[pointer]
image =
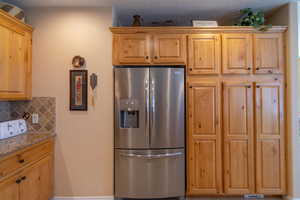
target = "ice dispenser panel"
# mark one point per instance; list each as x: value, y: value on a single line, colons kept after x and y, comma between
x: 129, y: 114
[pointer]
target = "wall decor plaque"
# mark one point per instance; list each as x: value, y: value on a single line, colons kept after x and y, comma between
x: 78, y: 90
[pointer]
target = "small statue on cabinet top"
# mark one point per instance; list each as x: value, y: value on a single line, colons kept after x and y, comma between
x: 137, y: 20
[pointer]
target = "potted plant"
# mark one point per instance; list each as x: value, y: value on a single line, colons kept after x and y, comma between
x: 253, y: 18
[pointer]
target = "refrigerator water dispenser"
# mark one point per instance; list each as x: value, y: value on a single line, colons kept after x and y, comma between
x: 129, y: 113
x: 129, y: 119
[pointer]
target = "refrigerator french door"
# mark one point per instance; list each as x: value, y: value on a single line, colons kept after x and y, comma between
x: 149, y: 132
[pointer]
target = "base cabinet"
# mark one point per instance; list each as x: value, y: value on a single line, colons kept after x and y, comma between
x: 34, y: 181
x: 9, y: 189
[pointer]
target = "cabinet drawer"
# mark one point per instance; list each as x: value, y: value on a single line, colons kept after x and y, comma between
x: 26, y: 157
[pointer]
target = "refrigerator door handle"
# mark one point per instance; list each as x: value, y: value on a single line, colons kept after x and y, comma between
x: 147, y: 108
x: 152, y: 105
x: 150, y: 156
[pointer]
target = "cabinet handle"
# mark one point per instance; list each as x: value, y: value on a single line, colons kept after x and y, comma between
x: 23, y: 178
x: 248, y: 86
x: 21, y: 161
x: 18, y: 181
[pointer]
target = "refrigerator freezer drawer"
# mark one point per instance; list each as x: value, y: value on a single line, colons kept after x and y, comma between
x: 149, y: 173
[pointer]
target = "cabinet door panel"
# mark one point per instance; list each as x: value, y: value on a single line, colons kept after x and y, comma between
x: 268, y: 53
x: 238, y: 138
x: 169, y: 48
x: 270, y: 163
x: 30, y: 186
x: 17, y: 72
x: 9, y: 189
x: 5, y: 35
x: 133, y: 49
x: 204, y: 143
x: 46, y: 178
x: 237, y: 53
x: 204, y: 54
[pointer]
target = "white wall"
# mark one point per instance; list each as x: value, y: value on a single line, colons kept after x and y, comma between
x: 84, y: 143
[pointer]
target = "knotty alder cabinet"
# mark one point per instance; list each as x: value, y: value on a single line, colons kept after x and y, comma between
x: 145, y: 49
x: 235, y: 101
x: 248, y: 155
x: 15, y: 59
x: 236, y: 53
x: 28, y: 174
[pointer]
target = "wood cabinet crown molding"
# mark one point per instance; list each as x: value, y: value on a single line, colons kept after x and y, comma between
x: 191, y: 30
x: 16, y: 21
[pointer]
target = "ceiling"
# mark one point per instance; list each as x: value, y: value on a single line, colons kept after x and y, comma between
x: 157, y: 9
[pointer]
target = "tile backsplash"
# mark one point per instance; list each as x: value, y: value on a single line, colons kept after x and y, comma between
x: 43, y: 106
x: 4, y: 111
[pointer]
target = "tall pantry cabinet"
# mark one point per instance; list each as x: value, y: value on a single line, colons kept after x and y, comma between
x: 236, y: 129
x: 235, y: 118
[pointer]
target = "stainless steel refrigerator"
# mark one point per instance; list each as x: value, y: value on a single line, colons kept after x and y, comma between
x: 149, y: 132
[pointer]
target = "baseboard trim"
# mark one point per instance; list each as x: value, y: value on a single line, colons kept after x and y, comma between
x: 84, y: 198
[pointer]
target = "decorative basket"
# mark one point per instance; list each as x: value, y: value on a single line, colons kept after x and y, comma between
x: 13, y: 10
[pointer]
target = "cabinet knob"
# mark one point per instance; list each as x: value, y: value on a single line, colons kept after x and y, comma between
x: 23, y: 178
x: 21, y: 161
x: 270, y: 71
x: 155, y: 57
x: 257, y: 68
x: 147, y: 57
x: 18, y: 181
x: 249, y: 68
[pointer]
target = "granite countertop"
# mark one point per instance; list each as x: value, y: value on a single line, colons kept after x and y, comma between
x: 13, y: 144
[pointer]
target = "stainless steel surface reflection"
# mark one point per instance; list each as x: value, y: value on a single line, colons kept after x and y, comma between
x: 149, y: 132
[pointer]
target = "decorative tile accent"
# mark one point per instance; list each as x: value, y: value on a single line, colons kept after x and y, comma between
x: 5, y: 113
x: 43, y: 106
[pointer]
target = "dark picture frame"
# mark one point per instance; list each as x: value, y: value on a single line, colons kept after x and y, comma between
x: 78, y: 90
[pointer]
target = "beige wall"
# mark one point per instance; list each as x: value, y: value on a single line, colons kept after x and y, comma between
x: 84, y: 143
x: 288, y: 15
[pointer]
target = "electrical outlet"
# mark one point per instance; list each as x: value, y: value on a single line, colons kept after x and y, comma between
x: 35, y: 118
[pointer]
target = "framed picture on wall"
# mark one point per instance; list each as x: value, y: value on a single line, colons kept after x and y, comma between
x: 78, y: 90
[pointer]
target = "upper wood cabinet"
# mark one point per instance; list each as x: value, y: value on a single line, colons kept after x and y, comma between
x: 169, y: 48
x: 204, y: 54
x: 237, y: 53
x: 146, y: 49
x: 133, y: 48
x: 15, y: 59
x: 268, y: 53
x: 270, y: 152
x: 238, y: 129
x: 204, y: 139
